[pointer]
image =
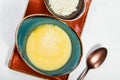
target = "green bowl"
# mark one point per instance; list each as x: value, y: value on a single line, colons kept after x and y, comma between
x: 29, y: 23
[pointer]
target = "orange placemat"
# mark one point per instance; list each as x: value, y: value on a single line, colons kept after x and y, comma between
x: 38, y: 7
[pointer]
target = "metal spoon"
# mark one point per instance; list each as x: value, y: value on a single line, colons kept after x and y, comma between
x: 94, y: 60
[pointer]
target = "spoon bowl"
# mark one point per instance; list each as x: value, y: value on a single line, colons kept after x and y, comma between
x: 94, y: 60
x: 74, y: 15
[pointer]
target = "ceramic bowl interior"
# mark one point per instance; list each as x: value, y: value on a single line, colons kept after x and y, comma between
x: 72, y: 16
x: 29, y: 24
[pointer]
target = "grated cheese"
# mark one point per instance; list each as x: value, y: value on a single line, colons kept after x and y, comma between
x: 63, y: 7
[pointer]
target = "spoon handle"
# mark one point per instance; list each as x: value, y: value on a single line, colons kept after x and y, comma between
x: 83, y: 74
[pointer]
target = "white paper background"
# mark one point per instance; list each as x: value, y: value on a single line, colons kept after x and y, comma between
x: 102, y: 27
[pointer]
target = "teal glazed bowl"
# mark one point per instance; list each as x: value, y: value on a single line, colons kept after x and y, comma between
x: 29, y: 23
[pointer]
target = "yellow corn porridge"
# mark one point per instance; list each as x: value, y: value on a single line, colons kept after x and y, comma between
x: 48, y: 47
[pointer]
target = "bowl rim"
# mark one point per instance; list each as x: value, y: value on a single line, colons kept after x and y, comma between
x: 80, y: 15
x: 20, y: 53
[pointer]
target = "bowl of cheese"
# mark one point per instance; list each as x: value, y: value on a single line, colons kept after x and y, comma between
x: 66, y: 9
x: 47, y: 45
